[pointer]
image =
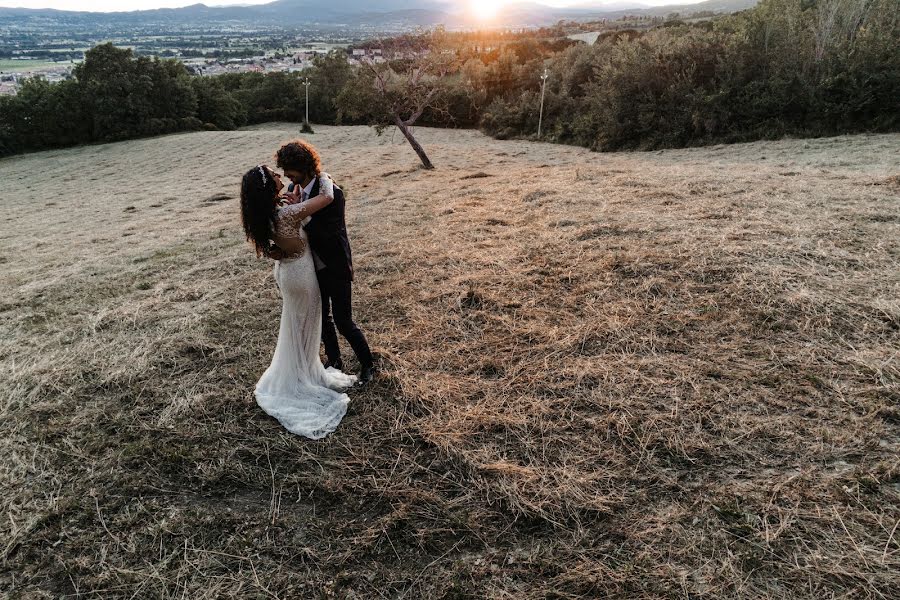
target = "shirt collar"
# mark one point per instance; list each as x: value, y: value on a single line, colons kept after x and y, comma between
x: 308, y: 189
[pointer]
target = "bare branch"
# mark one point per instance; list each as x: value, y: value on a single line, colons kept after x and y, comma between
x: 421, y: 108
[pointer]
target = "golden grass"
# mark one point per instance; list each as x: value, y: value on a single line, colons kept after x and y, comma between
x: 643, y: 375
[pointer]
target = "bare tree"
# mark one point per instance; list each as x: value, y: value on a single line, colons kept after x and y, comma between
x: 397, y: 87
x: 838, y: 21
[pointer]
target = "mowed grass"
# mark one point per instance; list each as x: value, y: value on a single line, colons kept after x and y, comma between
x: 16, y: 66
x: 641, y: 375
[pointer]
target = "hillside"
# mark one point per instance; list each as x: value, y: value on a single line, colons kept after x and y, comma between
x: 637, y: 375
x: 426, y: 13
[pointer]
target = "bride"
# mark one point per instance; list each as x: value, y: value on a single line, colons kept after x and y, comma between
x: 296, y: 389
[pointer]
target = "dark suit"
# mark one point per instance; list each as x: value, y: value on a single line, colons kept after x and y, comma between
x: 327, y: 233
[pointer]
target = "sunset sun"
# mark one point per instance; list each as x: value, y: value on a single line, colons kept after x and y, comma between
x: 485, y: 10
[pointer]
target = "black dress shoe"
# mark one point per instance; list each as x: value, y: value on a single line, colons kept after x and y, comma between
x: 338, y: 364
x: 366, y: 374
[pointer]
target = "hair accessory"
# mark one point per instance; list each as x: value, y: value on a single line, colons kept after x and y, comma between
x: 263, y: 173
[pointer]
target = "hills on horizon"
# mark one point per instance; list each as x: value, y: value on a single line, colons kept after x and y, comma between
x: 343, y: 12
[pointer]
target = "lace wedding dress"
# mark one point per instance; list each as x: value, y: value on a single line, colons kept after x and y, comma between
x: 296, y: 389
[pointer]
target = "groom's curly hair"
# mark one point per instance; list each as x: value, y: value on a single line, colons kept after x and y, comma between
x: 299, y: 156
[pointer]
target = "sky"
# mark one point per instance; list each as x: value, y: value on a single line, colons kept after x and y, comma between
x: 123, y: 5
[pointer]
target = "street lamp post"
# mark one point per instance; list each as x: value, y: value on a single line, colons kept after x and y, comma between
x: 544, y: 78
x: 306, y: 83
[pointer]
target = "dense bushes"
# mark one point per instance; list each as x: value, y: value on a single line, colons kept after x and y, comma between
x: 797, y: 67
x: 786, y: 67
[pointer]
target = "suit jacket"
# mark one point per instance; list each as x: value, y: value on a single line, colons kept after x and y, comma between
x: 327, y: 233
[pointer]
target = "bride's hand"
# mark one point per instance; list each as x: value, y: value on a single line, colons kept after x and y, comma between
x: 276, y: 253
x: 291, y: 197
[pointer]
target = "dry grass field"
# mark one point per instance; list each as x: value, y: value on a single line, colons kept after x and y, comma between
x: 643, y: 375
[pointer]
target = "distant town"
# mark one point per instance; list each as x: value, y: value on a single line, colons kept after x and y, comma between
x: 202, y: 56
x: 50, y: 44
x: 203, y: 52
x: 292, y: 60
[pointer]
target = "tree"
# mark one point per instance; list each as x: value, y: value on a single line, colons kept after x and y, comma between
x: 215, y: 105
x: 398, y: 91
x: 329, y: 75
x: 118, y: 98
x: 129, y: 96
x: 172, y: 94
x: 11, y: 118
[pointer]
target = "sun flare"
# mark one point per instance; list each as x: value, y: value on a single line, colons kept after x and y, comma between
x: 485, y: 10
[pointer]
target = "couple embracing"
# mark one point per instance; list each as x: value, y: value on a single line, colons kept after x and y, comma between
x: 305, y: 231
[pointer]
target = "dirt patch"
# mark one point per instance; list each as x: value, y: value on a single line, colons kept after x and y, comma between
x: 479, y: 175
x: 217, y: 198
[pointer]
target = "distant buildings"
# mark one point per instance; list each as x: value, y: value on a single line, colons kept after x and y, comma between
x: 291, y: 62
x: 211, y: 67
x: 272, y: 62
x: 287, y: 60
x: 11, y: 80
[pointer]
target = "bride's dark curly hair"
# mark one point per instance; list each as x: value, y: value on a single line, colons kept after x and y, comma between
x: 258, y: 207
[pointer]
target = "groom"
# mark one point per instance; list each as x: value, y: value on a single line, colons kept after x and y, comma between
x: 327, y: 233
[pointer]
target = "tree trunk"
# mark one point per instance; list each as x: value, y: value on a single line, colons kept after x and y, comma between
x: 404, y: 129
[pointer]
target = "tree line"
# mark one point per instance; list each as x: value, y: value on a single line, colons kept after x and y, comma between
x: 785, y: 67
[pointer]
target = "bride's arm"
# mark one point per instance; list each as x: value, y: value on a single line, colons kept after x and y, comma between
x: 295, y: 213
x: 326, y: 189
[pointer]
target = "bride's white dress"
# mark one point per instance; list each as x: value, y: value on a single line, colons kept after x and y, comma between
x: 296, y: 389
